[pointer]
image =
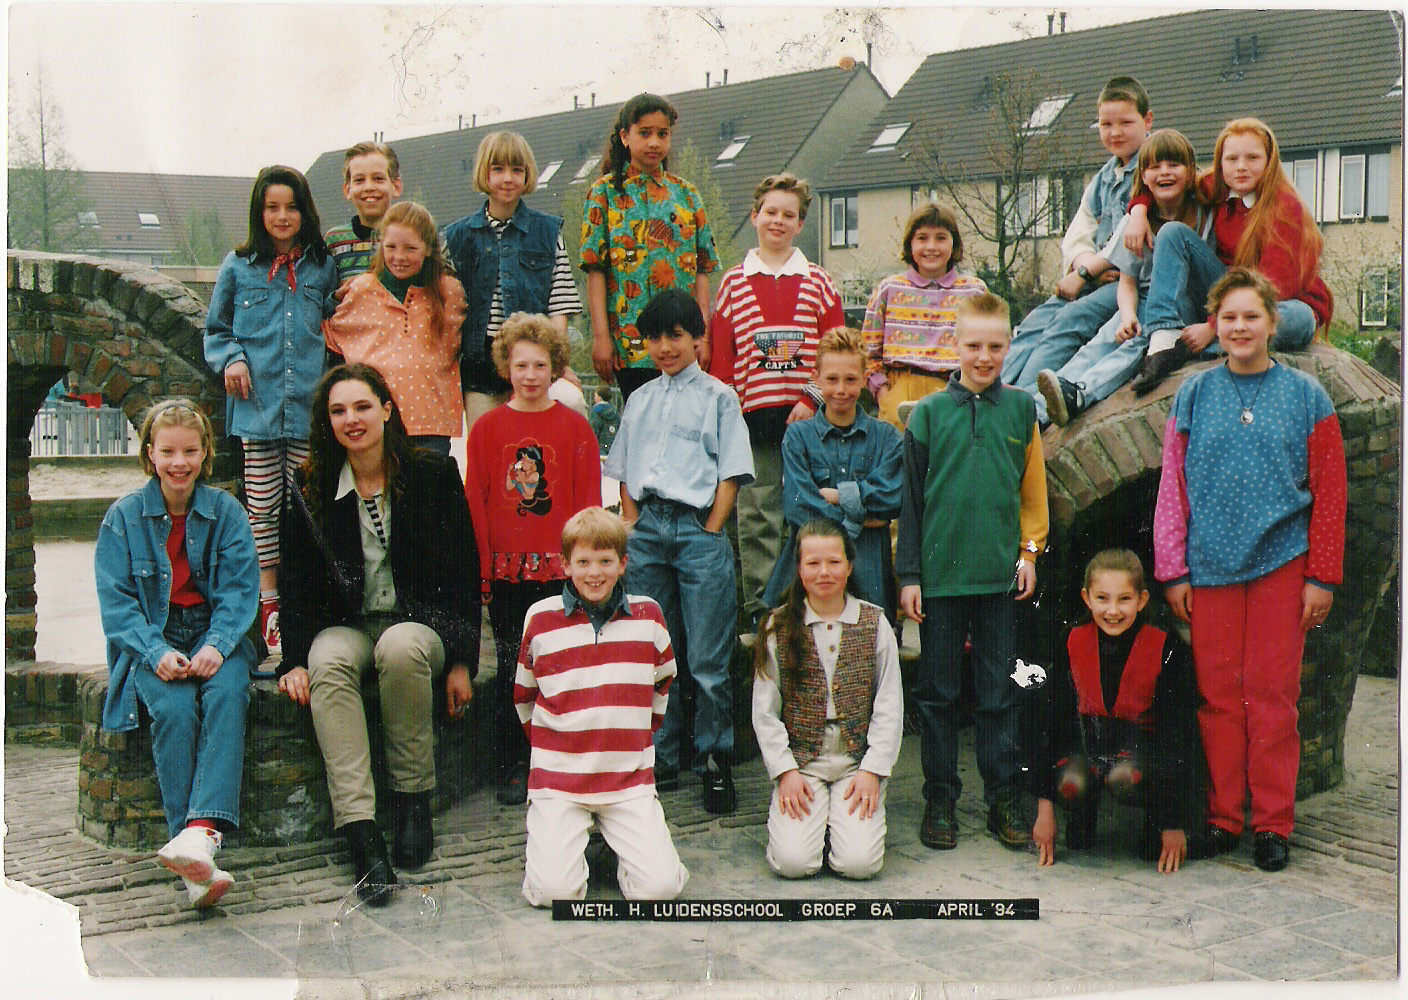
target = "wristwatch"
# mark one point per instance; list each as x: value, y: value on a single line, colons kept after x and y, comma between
x: 1084, y: 272
x: 1031, y: 546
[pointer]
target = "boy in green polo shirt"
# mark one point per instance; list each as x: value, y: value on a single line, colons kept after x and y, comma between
x: 974, y: 505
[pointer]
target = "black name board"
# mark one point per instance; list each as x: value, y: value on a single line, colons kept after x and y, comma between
x: 798, y: 909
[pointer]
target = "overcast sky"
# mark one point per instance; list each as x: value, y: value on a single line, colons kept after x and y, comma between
x: 227, y: 88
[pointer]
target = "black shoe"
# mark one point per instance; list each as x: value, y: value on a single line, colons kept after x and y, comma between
x: 1157, y: 367
x: 1064, y: 400
x: 667, y: 779
x: 414, y: 836
x: 375, y: 878
x: 1151, y: 841
x: 939, y: 828
x: 1214, y: 840
x: 1080, y: 828
x: 719, y: 794
x: 1270, y: 851
x: 513, y: 791
x: 1005, y: 822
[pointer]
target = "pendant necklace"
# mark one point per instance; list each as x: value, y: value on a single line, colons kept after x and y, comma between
x: 1247, y: 417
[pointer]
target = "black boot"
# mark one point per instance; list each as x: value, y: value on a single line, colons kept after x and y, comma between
x: 414, y: 837
x: 1157, y: 367
x: 375, y: 878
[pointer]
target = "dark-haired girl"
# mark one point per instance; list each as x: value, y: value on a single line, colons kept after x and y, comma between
x: 263, y: 335
x: 643, y: 230
x: 380, y: 576
x: 532, y: 463
x: 828, y: 713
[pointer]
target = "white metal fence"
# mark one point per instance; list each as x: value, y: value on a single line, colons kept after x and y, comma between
x: 73, y: 429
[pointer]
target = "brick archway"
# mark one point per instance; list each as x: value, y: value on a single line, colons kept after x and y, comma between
x: 128, y: 332
x: 1102, y: 479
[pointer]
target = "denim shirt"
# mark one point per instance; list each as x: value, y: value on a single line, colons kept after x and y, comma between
x: 1107, y: 196
x: 520, y: 263
x: 134, y: 584
x: 862, y: 462
x: 278, y: 332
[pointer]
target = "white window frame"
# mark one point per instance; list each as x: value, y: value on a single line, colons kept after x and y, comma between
x: 849, y: 205
x: 586, y: 168
x: 730, y: 152
x: 1309, y: 194
x: 546, y: 174
x: 1374, y: 290
x: 1351, y: 201
x: 1045, y: 113
x: 889, y: 137
x: 88, y: 220
x: 1043, y: 194
x: 148, y: 220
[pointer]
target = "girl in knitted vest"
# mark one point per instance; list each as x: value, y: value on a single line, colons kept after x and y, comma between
x: 828, y: 714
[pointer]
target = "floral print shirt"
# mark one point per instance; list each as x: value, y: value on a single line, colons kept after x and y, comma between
x: 651, y: 236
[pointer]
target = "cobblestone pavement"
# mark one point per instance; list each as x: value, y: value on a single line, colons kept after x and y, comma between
x: 1106, y: 918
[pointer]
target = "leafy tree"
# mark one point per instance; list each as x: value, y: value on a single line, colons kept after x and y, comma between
x: 46, y: 191
x: 206, y: 239
x: 1021, y: 188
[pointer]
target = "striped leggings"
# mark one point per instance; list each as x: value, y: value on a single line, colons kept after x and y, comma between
x: 268, y: 465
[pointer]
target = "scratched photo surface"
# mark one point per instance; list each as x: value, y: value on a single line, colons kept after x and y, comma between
x: 135, y: 134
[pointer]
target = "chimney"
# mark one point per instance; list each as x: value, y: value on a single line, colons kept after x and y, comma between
x: 706, y: 79
x: 725, y: 76
x: 1063, y: 22
x: 461, y: 124
x: 473, y: 120
x: 574, y: 102
x: 593, y: 98
x: 1051, y: 23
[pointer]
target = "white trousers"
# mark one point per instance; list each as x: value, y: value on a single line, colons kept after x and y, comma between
x: 857, y: 845
x: 556, y: 865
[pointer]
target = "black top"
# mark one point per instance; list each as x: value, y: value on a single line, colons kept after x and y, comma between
x: 434, y: 564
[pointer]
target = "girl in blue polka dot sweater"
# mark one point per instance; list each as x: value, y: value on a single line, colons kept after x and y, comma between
x: 1249, y: 541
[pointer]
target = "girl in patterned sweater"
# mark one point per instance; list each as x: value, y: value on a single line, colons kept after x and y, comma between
x: 828, y: 713
x: 1249, y: 542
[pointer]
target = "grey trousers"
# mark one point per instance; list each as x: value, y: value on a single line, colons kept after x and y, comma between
x: 761, y: 527
x: 407, y: 656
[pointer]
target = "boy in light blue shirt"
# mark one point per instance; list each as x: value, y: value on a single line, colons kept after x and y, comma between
x: 681, y: 454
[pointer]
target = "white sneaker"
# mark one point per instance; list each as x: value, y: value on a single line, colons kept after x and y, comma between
x: 203, y: 894
x: 191, y: 853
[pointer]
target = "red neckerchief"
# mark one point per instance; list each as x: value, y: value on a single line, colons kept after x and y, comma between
x: 287, y: 258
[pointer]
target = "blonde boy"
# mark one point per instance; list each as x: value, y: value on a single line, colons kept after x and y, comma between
x: 593, y: 680
x: 973, y: 506
x: 371, y: 181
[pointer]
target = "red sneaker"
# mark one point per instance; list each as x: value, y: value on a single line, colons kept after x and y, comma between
x: 269, y: 627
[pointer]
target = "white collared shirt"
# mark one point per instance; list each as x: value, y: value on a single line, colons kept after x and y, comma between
x: 753, y: 263
x: 378, y: 587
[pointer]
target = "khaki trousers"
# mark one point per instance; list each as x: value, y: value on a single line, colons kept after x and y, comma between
x: 761, y: 526
x: 906, y: 384
x: 857, y: 845
x: 406, y: 656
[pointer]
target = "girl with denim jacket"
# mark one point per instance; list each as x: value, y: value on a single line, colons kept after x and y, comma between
x: 263, y: 335
x: 510, y: 259
x: 178, y: 585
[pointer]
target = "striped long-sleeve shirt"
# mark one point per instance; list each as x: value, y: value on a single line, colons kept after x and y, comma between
x: 589, y: 700
x: 765, y: 327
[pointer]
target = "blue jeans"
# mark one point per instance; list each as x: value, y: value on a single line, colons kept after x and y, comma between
x: 197, y: 728
x: 1053, y: 332
x: 1101, y: 366
x: 987, y: 619
x: 689, y: 573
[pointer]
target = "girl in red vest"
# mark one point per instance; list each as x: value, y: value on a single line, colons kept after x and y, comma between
x: 1119, y: 713
x: 828, y: 714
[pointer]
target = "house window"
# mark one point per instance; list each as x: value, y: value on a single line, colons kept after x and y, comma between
x: 1364, y: 181
x: 889, y: 137
x: 548, y: 171
x: 1380, y: 293
x: 731, y: 151
x: 1305, y: 175
x: 148, y: 220
x: 845, y: 220
x: 1352, y: 187
x: 1045, y: 113
x: 588, y: 165
x: 88, y: 220
x: 1041, y: 206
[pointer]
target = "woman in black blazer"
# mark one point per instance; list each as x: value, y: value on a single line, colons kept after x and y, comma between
x: 379, y: 573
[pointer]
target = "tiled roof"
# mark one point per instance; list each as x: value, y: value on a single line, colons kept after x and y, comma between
x: 117, y: 198
x: 1319, y: 78
x: 779, y: 113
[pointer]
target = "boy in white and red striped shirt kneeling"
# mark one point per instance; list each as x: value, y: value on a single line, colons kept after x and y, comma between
x: 593, y: 680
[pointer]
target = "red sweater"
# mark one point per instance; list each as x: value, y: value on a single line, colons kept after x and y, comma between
x: 527, y: 474
x: 764, y: 331
x: 1285, y: 258
x: 590, y: 701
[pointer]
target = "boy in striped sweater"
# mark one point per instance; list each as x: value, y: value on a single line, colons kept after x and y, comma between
x: 770, y: 312
x: 594, y: 675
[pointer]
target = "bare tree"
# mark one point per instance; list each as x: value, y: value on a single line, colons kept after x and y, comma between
x: 1016, y: 187
x: 46, y: 196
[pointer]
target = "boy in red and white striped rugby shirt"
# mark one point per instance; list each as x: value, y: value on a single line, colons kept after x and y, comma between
x: 594, y: 675
x: 770, y: 312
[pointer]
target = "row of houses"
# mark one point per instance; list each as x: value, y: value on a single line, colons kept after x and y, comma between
x: 1005, y: 131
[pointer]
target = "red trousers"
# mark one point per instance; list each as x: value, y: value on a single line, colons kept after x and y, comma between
x: 1247, y: 645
